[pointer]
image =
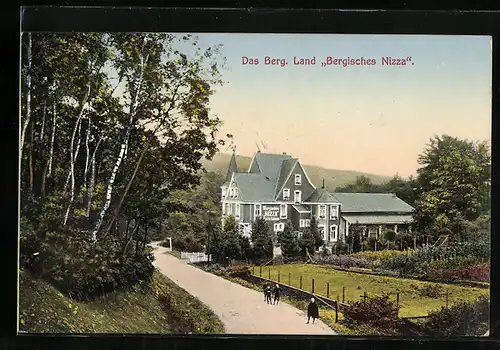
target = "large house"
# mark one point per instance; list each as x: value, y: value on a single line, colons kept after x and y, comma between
x: 277, y: 188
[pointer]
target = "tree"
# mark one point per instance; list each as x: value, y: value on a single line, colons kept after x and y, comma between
x: 261, y: 240
x: 245, y: 247
x: 307, y: 242
x: 354, y: 238
x: 314, y: 230
x: 289, y: 241
x: 454, y: 182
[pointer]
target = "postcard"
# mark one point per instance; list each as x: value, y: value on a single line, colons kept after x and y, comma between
x: 223, y: 183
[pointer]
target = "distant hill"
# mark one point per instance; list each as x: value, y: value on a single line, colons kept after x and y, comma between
x: 333, y: 178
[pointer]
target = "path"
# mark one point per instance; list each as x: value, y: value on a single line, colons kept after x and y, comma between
x: 241, y: 310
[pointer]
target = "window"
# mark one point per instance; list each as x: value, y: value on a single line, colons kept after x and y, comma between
x: 333, y: 233
x: 298, y: 179
x: 223, y: 208
x: 257, y: 209
x: 297, y: 197
x: 229, y: 209
x: 286, y: 194
x: 308, y: 222
x: 302, y: 223
x: 322, y: 231
x: 322, y: 211
x: 235, y: 193
x: 238, y: 208
x: 231, y: 192
x: 334, y: 212
x: 283, y: 213
x: 279, y: 227
x: 372, y: 230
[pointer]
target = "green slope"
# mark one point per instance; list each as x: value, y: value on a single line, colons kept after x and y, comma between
x: 160, y: 308
x: 333, y: 178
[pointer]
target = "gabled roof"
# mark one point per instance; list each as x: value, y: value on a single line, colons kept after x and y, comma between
x: 286, y: 168
x: 270, y: 164
x: 321, y: 195
x: 372, y: 202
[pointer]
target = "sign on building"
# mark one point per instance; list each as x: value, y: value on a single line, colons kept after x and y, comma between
x: 271, y: 212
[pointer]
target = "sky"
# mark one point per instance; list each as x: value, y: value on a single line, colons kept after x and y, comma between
x: 370, y: 118
x: 374, y: 119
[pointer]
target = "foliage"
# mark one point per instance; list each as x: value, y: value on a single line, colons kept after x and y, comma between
x: 314, y: 230
x: 110, y: 314
x: 390, y: 235
x: 377, y: 311
x: 380, y: 254
x: 432, y: 291
x: 479, y: 272
x: 289, y: 242
x: 340, y: 247
x: 454, y: 182
x: 354, y: 237
x: 344, y: 261
x: 307, y: 242
x: 465, y: 318
x: 261, y: 240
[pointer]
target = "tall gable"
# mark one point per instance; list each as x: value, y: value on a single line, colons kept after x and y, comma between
x: 286, y: 168
x: 233, y: 168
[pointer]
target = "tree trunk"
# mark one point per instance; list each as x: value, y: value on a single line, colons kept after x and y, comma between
x: 124, y: 145
x: 73, y: 156
x: 52, y: 140
x: 145, y: 236
x: 90, y: 189
x: 87, y: 152
x: 31, y: 157
x: 28, y: 98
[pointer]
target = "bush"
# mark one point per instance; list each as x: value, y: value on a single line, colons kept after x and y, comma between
x: 380, y: 254
x: 82, y: 270
x: 344, y: 261
x: 339, y: 248
x: 480, y: 273
x: 377, y: 311
x: 466, y: 318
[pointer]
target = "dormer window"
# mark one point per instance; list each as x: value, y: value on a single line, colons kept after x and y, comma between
x: 286, y: 194
x: 334, y: 212
x: 235, y: 193
x: 257, y: 210
x: 298, y: 179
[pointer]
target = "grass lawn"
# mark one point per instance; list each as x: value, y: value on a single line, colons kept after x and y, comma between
x: 411, y: 300
x: 161, y: 307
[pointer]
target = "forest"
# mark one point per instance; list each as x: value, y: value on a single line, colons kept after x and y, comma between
x: 111, y: 125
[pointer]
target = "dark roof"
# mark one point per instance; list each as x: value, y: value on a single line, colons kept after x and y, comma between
x: 378, y: 219
x: 286, y: 168
x: 301, y: 208
x: 232, y: 168
x: 321, y: 195
x: 372, y: 202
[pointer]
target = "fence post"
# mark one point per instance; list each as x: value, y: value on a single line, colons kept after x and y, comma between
x: 328, y: 290
x: 269, y: 273
x: 343, y: 294
x: 365, y: 296
x: 300, y: 282
x: 289, y: 283
x: 337, y: 310
x: 253, y: 270
x: 312, y: 286
x: 279, y: 276
x: 447, y: 298
x: 397, y: 299
x: 261, y: 271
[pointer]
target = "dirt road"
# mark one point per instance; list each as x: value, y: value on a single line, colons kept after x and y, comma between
x: 241, y: 310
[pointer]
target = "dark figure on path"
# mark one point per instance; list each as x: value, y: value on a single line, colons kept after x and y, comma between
x: 264, y: 290
x: 269, y: 294
x: 276, y: 292
x: 312, y: 311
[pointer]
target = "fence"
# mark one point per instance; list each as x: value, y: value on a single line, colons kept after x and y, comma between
x: 194, y: 257
x: 309, y: 287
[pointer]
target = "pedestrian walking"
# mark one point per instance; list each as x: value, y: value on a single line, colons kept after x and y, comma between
x: 277, y: 293
x: 312, y: 310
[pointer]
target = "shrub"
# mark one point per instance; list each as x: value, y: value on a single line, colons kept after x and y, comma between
x: 376, y: 311
x: 380, y: 254
x: 466, y: 318
x: 480, y: 273
x: 344, y: 261
x: 82, y: 270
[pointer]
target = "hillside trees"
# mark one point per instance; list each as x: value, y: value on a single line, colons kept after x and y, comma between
x: 113, y: 125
